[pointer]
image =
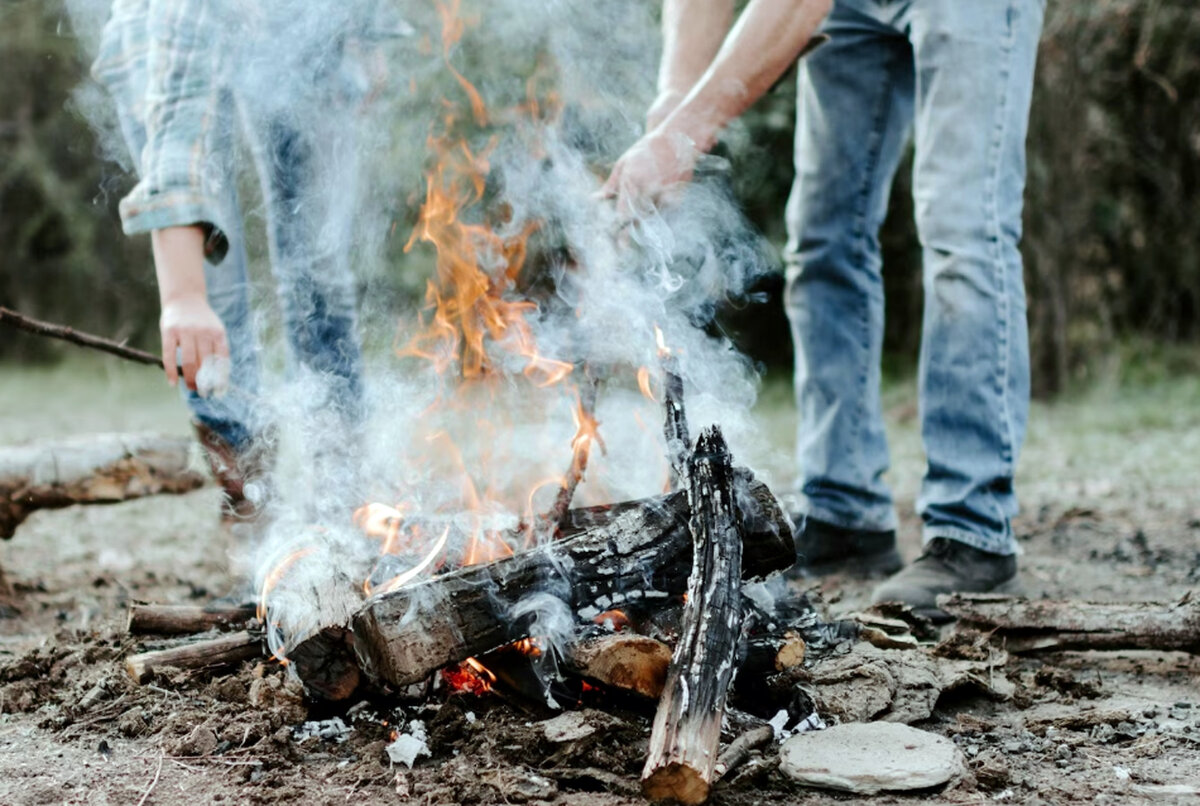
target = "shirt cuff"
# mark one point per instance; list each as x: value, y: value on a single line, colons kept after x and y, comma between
x: 180, y: 208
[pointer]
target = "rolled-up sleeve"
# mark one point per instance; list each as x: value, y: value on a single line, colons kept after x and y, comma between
x: 181, y: 179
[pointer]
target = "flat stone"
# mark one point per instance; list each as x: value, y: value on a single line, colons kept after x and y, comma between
x: 870, y: 757
x: 569, y: 727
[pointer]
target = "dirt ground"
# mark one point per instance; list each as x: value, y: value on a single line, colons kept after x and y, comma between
x: 1111, y: 512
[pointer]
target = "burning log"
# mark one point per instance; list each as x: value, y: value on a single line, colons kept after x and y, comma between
x: 224, y: 651
x: 625, y: 661
x: 1031, y: 626
x: 101, y: 469
x: 636, y: 552
x: 681, y: 765
x: 186, y: 619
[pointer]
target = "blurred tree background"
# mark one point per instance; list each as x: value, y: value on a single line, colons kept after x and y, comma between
x: 1112, y: 244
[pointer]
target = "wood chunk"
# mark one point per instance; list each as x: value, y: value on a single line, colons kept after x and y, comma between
x: 224, y: 651
x: 630, y: 553
x: 1028, y: 626
x: 99, y: 469
x: 633, y: 663
x: 186, y: 619
x: 686, y: 735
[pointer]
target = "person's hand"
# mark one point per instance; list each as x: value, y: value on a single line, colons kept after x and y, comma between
x: 652, y: 167
x: 193, y: 332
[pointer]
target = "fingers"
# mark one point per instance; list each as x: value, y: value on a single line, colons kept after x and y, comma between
x: 189, y: 360
x: 170, y: 344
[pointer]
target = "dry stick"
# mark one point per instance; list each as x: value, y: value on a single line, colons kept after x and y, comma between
x: 675, y: 425
x: 555, y: 518
x: 686, y: 735
x: 153, y: 783
x: 224, y: 651
x: 40, y: 328
x: 185, y: 619
x: 740, y: 749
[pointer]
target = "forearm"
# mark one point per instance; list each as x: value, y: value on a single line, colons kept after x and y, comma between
x: 693, y: 31
x: 179, y: 264
x: 766, y: 40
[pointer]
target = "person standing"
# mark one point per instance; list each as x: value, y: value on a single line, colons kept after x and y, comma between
x: 184, y: 75
x: 958, y: 78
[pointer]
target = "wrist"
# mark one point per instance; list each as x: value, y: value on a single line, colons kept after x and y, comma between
x: 700, y: 129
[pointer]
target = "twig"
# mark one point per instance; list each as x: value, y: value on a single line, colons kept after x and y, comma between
x: 740, y: 748
x: 157, y: 772
x: 53, y: 331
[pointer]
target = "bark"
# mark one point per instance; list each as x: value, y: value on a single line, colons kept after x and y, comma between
x: 186, y: 619
x: 634, y: 553
x: 40, y: 328
x: 215, y: 653
x: 101, y: 469
x: 685, y: 738
x: 1029, y: 625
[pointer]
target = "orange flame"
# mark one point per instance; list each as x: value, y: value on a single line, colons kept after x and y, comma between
x: 643, y: 381
x: 276, y: 574
x: 615, y: 620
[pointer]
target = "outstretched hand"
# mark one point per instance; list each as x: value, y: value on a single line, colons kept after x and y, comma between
x: 650, y: 170
x: 191, y: 334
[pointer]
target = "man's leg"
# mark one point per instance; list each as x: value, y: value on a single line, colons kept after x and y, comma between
x: 975, y: 65
x: 853, y: 116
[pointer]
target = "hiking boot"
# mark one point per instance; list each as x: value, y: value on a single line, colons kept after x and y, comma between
x: 234, y: 471
x: 949, y: 566
x: 823, y: 549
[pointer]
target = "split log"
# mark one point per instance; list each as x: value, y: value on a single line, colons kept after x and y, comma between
x: 224, y: 651
x: 102, y: 469
x: 686, y: 735
x: 625, y: 661
x: 635, y: 552
x: 1029, y: 626
x: 675, y: 425
x: 768, y: 654
x: 186, y: 619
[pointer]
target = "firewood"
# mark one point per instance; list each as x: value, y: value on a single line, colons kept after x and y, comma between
x: 186, y: 619
x: 101, y: 469
x: 675, y: 425
x: 740, y: 749
x: 625, y: 661
x: 1031, y: 625
x: 686, y: 735
x: 768, y: 654
x: 635, y: 552
x: 217, y: 652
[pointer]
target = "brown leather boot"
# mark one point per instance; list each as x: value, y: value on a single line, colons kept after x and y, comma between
x: 234, y: 470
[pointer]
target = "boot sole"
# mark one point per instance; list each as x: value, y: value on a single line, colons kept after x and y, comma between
x: 1010, y: 587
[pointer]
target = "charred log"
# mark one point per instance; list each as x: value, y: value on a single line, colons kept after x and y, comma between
x: 101, y: 469
x: 681, y: 764
x: 633, y: 663
x: 636, y: 552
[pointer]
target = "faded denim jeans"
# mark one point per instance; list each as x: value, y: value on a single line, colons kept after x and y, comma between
x: 957, y: 75
x: 308, y: 239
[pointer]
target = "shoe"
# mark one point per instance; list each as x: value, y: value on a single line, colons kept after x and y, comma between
x: 823, y: 549
x: 234, y: 472
x: 948, y: 566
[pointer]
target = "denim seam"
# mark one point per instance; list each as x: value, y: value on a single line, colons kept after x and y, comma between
x: 992, y: 545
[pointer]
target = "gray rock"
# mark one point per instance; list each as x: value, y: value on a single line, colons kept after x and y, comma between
x: 871, y: 757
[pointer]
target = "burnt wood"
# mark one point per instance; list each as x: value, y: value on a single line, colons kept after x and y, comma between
x: 186, y: 619
x: 215, y: 653
x: 685, y: 738
x: 635, y: 553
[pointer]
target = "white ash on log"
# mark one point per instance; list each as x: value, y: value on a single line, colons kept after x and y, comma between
x: 636, y: 552
x: 685, y: 738
x: 100, y: 469
x: 1026, y: 625
x: 156, y: 619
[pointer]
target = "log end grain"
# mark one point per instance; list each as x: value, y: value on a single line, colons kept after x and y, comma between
x: 676, y: 782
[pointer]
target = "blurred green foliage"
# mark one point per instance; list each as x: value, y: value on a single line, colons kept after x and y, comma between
x: 1112, y: 247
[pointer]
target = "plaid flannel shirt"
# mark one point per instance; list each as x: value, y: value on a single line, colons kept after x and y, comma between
x: 160, y: 61
x: 167, y: 64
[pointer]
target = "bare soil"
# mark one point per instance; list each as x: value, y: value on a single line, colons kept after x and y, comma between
x: 1112, y: 512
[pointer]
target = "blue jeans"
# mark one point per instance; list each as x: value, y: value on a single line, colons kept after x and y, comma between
x: 308, y: 238
x: 958, y: 74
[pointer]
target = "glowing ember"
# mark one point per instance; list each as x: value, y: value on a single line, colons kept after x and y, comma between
x: 470, y: 676
x: 615, y: 620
